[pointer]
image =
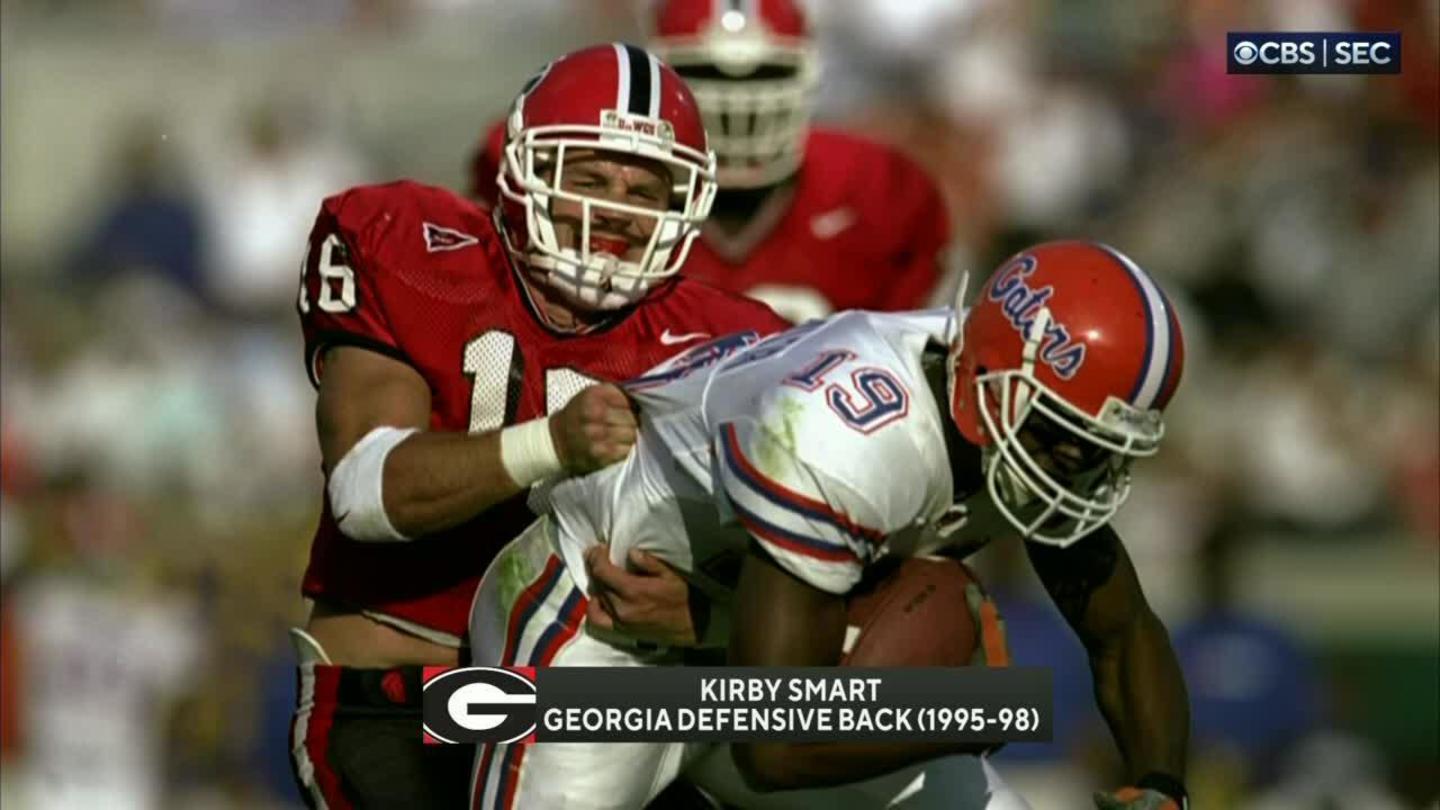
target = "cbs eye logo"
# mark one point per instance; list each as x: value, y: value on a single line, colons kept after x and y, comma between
x: 479, y: 705
x: 1246, y: 53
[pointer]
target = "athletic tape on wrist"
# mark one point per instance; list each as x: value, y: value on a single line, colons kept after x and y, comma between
x: 527, y: 452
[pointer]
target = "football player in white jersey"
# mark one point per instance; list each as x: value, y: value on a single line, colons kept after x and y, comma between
x: 770, y: 475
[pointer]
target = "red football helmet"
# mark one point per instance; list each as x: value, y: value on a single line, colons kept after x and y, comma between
x: 1060, y: 373
x: 609, y: 97
x: 753, y: 69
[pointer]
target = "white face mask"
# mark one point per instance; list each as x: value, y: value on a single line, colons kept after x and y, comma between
x: 1035, y: 492
x: 1045, y: 504
x: 589, y: 278
x: 757, y: 127
x: 1012, y: 490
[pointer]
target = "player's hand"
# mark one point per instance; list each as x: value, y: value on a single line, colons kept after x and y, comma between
x: 1134, y: 798
x: 650, y: 602
x: 991, y: 648
x: 596, y: 428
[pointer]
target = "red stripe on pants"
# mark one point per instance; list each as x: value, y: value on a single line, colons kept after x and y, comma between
x: 317, y: 736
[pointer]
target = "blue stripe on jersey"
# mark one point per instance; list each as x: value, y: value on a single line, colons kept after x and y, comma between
x: 792, y: 541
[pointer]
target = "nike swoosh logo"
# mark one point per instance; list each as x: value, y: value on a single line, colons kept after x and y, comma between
x: 668, y: 339
x: 831, y: 223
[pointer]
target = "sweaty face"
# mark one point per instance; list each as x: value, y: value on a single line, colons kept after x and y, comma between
x: 610, y: 177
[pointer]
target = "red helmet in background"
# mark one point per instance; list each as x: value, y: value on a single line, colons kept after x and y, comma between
x: 612, y: 97
x: 753, y: 68
x: 485, y: 164
x: 1070, y: 345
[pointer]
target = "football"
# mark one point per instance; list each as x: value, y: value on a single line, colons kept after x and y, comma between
x: 912, y: 615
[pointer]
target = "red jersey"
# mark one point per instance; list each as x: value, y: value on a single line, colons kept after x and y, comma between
x: 861, y: 227
x: 421, y: 275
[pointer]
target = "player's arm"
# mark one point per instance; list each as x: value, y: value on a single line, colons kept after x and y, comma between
x: 388, y: 477
x: 782, y: 621
x: 812, y: 534
x: 1138, y: 684
x: 433, y: 480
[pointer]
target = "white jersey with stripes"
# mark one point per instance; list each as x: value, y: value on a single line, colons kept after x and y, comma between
x: 823, y: 443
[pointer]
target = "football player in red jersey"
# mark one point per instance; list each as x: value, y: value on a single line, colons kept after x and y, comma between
x: 456, y: 354
x: 809, y: 220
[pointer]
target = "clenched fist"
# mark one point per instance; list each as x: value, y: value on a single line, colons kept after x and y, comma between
x: 596, y: 428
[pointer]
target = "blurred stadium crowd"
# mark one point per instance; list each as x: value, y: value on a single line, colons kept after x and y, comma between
x: 162, y: 163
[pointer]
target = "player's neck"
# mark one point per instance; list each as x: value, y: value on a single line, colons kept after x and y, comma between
x: 551, y: 309
x: 962, y: 455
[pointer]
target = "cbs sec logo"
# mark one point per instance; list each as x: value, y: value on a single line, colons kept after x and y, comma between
x: 1312, y: 52
x: 479, y: 704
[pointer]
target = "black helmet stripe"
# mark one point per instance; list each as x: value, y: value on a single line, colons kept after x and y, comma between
x: 641, y: 81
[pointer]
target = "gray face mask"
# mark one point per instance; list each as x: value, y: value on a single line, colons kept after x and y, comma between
x: 755, y: 94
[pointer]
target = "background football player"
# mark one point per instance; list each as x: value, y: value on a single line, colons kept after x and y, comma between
x: 808, y: 219
x: 773, y: 475
x: 455, y: 355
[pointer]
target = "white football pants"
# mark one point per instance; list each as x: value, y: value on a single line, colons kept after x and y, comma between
x: 528, y: 612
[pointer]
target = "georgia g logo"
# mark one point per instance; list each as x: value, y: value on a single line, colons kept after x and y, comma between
x: 479, y: 705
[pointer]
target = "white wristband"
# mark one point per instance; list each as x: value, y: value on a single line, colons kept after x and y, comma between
x: 528, y: 453
x: 356, y: 487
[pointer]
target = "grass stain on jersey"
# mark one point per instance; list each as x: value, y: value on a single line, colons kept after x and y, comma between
x: 515, y: 575
x: 776, y: 451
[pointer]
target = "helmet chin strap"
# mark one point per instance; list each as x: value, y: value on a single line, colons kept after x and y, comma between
x: 957, y: 337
